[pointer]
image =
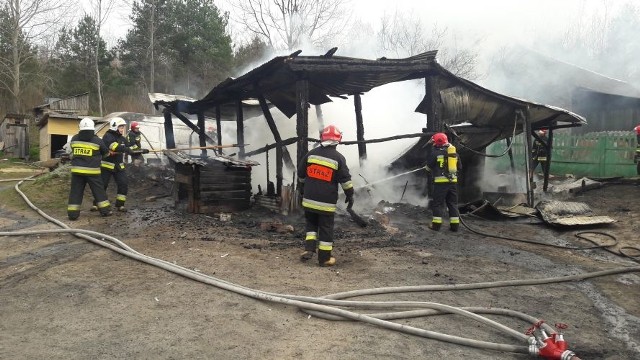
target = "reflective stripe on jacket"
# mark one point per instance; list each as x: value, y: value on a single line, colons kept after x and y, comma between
x: 117, y: 145
x: 437, y: 161
x: 86, y: 155
x: 321, y: 170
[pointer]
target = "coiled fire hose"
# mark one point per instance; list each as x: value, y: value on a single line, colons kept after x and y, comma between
x: 326, y: 307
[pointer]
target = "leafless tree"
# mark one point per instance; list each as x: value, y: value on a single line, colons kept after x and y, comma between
x: 101, y: 10
x: 285, y: 24
x: 405, y: 35
x: 27, y: 23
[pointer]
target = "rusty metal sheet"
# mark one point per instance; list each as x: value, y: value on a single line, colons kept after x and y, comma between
x: 570, y: 214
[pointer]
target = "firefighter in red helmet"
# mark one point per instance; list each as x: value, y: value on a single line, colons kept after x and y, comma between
x: 134, y: 138
x: 320, y: 172
x: 444, y: 165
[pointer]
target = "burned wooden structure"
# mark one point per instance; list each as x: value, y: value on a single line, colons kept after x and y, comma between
x: 472, y: 115
x: 211, y: 185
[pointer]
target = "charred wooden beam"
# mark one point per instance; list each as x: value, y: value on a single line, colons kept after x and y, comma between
x: 190, y: 124
x: 381, y: 68
x: 302, y: 118
x: 279, y: 157
x: 547, y: 164
x: 432, y: 95
x: 272, y: 146
x: 362, y: 146
x: 330, y: 53
x: 274, y: 130
x: 168, y: 129
x: 527, y: 154
x: 219, y: 127
x: 201, y: 133
x: 240, y: 128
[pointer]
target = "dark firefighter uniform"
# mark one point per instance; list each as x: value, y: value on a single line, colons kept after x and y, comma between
x: 444, y: 164
x: 87, y: 151
x: 539, y: 153
x: 134, y: 142
x: 321, y: 170
x: 113, y: 165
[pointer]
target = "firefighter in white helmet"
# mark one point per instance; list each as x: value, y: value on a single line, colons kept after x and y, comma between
x: 320, y: 172
x: 113, y: 163
x: 87, y: 151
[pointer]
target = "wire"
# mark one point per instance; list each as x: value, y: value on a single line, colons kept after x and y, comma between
x: 579, y: 235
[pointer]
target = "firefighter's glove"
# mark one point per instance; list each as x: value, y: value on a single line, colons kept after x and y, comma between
x: 349, y: 198
x: 145, y: 151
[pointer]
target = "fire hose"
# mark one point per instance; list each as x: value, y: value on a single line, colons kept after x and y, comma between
x: 542, y: 340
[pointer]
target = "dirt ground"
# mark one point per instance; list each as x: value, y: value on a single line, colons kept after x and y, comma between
x: 62, y: 297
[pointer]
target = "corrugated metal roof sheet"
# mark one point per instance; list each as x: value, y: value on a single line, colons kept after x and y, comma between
x: 570, y: 214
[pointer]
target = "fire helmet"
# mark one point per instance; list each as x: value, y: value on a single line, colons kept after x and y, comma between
x: 542, y: 132
x: 637, y: 129
x: 439, y: 139
x: 134, y: 125
x: 331, y: 132
x: 116, y: 122
x: 87, y: 124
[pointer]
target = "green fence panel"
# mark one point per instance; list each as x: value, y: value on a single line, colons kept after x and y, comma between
x: 607, y: 154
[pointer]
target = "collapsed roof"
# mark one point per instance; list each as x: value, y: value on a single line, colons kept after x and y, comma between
x: 478, y: 115
x: 463, y: 102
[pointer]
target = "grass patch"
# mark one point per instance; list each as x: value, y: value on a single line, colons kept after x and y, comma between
x: 48, y: 192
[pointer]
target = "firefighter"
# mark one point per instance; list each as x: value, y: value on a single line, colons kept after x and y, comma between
x: 539, y: 152
x: 113, y: 164
x: 319, y: 173
x: 87, y: 150
x: 134, y: 142
x: 636, y: 157
x: 444, y: 165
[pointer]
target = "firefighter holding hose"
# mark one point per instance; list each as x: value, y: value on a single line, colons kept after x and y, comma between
x: 444, y: 165
x: 320, y: 172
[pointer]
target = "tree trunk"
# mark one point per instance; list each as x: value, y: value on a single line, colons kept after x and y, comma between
x: 16, y: 59
x: 97, y: 57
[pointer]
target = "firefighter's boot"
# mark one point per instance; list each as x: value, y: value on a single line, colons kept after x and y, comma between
x: 310, y: 245
x: 435, y: 226
x: 306, y: 255
x: 324, y: 254
x: 454, y: 227
x: 330, y: 262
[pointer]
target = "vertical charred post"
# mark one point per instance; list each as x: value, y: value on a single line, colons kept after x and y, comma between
x: 526, y: 125
x: 201, y: 135
x: 219, y: 126
x: 362, y: 146
x: 240, y: 129
x: 547, y: 164
x: 168, y: 129
x: 302, y: 118
x: 274, y: 131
